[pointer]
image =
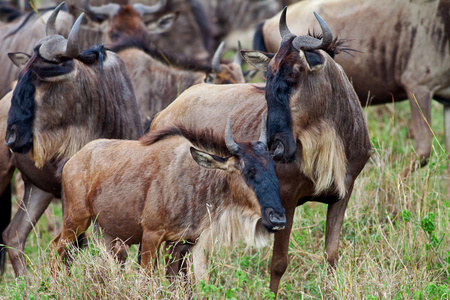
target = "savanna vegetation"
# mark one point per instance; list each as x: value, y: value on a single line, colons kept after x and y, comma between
x: 394, y: 244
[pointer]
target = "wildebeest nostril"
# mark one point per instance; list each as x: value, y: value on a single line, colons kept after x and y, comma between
x: 10, y: 138
x: 278, y: 221
x: 277, y: 150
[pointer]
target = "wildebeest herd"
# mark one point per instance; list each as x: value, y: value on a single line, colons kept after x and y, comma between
x: 87, y: 82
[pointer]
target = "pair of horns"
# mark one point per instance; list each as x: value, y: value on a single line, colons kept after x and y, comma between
x: 215, y: 63
x: 111, y: 9
x: 307, y: 42
x: 72, y: 49
x: 233, y: 146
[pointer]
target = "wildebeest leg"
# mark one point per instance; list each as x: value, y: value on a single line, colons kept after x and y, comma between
x: 6, y: 173
x: 176, y: 258
x: 73, y: 226
x: 151, y: 241
x: 200, y: 262
x: 5, y: 218
x: 335, y: 218
x: 34, y: 204
x: 420, y: 107
x: 116, y: 247
x: 280, y: 257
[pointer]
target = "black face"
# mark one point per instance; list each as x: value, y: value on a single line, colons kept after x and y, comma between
x: 19, y: 130
x: 258, y: 170
x: 21, y: 115
x: 279, y: 86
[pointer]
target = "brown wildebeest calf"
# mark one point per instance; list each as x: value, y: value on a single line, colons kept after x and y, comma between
x: 151, y: 191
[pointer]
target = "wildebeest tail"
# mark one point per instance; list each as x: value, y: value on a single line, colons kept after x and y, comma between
x: 258, y: 39
x: 5, y: 218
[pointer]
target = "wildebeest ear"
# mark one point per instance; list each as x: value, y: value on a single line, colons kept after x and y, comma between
x: 20, y: 59
x: 258, y: 59
x: 209, y: 161
x: 163, y: 24
x: 210, y: 77
x: 249, y: 74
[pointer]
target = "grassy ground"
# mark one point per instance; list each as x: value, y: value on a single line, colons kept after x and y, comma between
x: 394, y: 243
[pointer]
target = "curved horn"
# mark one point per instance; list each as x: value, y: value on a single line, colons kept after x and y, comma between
x: 217, y: 68
x: 229, y: 142
x: 238, y: 57
x: 72, y: 49
x: 108, y: 10
x: 306, y: 42
x: 284, y: 30
x: 50, y: 27
x: 147, y: 9
x: 263, y: 136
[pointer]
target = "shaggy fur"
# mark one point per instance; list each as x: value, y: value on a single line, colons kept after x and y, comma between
x: 169, y: 197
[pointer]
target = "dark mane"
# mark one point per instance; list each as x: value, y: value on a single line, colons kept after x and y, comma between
x: 204, y: 139
x: 164, y: 57
x: 92, y: 55
x: 337, y: 45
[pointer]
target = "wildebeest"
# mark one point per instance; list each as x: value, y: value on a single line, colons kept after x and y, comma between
x: 158, y: 78
x: 235, y: 19
x: 64, y: 98
x: 190, y: 37
x: 151, y: 191
x: 404, y: 52
x: 22, y: 34
x: 316, y: 128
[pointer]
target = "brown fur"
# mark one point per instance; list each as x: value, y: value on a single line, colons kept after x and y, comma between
x: 328, y: 126
x: 403, y: 50
x: 24, y: 41
x: 168, y: 196
x: 85, y: 106
x: 156, y: 84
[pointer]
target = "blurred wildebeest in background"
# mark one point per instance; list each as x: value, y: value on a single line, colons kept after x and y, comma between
x: 159, y: 78
x: 316, y: 128
x: 166, y: 192
x: 64, y: 98
x: 403, y: 53
x: 235, y: 20
x: 22, y: 34
x: 189, y: 37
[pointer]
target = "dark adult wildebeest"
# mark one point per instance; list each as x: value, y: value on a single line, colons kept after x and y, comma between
x: 63, y: 100
x: 404, y: 52
x: 22, y: 34
x: 151, y: 191
x: 315, y: 126
x: 158, y: 78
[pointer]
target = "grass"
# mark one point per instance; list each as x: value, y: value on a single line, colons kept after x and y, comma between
x: 394, y: 241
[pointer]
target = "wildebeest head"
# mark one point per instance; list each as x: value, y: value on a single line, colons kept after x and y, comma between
x: 302, y: 68
x: 125, y: 21
x: 63, y: 97
x: 226, y: 73
x: 51, y: 61
x: 251, y: 162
